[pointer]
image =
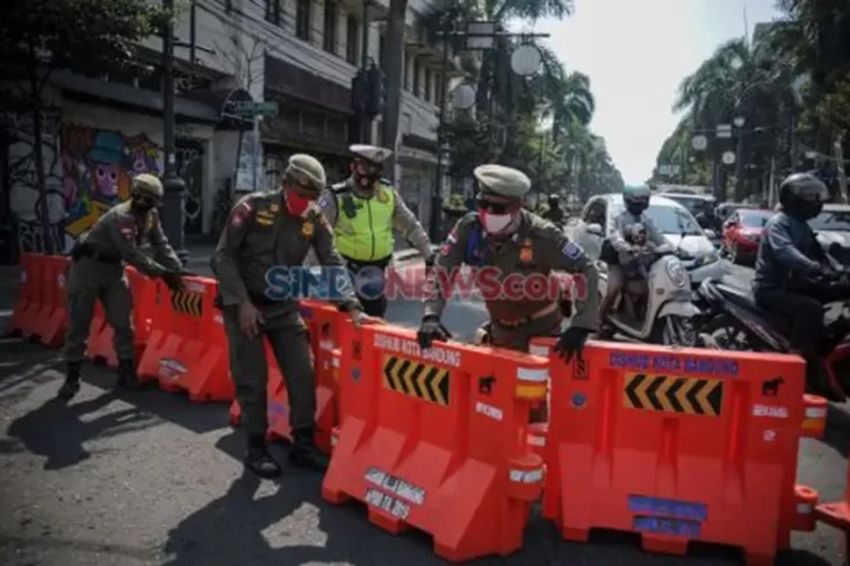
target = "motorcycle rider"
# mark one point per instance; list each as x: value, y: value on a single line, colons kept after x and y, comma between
x: 788, y: 251
x: 554, y: 214
x: 617, y: 247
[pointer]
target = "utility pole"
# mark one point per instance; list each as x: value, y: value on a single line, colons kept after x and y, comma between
x: 365, y: 120
x: 839, y: 167
x: 436, y: 198
x: 173, y: 185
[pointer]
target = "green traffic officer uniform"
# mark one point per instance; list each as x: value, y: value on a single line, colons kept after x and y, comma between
x: 534, y: 246
x: 364, y: 210
x: 97, y: 273
x: 262, y: 235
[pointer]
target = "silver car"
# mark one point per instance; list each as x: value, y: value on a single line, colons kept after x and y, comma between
x: 832, y: 226
x: 672, y: 219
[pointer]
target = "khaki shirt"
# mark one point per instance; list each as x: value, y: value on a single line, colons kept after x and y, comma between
x: 537, y: 247
x: 404, y: 221
x: 121, y: 234
x: 261, y: 234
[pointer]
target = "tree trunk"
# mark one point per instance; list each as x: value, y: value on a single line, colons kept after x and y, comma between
x: 393, y: 58
x: 42, y: 211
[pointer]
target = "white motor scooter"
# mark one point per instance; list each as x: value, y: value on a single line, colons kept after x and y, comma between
x: 656, y: 307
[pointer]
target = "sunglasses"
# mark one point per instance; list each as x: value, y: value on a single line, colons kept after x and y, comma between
x: 496, y: 207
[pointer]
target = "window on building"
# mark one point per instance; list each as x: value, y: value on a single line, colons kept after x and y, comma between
x: 428, y: 85
x: 416, y: 76
x: 329, y: 39
x: 302, y: 19
x: 351, y: 40
x: 273, y: 11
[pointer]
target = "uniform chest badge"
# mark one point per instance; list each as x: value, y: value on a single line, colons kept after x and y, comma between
x: 526, y: 253
x: 383, y: 197
x: 307, y: 229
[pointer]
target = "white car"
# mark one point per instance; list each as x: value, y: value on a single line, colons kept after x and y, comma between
x: 833, y: 224
x: 671, y: 218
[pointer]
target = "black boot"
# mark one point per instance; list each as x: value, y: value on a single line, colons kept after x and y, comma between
x: 258, y: 459
x: 304, y: 452
x: 127, y: 375
x: 72, y: 381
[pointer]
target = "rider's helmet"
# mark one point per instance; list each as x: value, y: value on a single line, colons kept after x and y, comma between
x: 802, y: 195
x: 636, y: 198
x: 554, y: 200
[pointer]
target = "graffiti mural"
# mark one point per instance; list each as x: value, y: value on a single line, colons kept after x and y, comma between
x: 24, y: 199
x: 97, y: 166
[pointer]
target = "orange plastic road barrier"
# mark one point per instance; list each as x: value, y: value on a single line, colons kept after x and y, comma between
x: 30, y: 296
x: 837, y: 514
x: 679, y: 445
x: 187, y: 347
x: 100, y: 343
x: 436, y: 439
x: 51, y: 319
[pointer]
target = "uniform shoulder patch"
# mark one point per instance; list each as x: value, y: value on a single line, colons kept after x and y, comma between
x: 241, y: 212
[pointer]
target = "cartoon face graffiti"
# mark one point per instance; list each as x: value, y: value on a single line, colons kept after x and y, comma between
x: 106, y: 179
x: 105, y: 157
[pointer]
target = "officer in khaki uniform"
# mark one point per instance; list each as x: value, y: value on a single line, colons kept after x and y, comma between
x: 503, y: 235
x: 267, y: 232
x: 364, y: 209
x: 97, y: 273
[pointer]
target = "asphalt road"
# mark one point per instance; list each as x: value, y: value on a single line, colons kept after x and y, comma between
x: 148, y: 478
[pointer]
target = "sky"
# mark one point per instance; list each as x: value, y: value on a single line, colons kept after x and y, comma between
x: 636, y: 53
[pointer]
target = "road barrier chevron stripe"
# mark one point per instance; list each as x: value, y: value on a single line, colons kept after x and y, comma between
x: 416, y: 379
x: 187, y: 302
x: 688, y: 395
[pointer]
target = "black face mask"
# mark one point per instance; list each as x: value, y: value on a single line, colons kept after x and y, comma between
x: 807, y: 210
x: 144, y: 205
x: 636, y: 208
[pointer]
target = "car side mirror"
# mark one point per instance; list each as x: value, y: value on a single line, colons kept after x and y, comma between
x: 710, y: 234
x: 595, y: 229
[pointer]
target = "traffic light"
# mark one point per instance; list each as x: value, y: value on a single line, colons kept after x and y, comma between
x: 377, y: 98
x: 359, y: 92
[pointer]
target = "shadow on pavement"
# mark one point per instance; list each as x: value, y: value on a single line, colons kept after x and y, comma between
x: 55, y: 430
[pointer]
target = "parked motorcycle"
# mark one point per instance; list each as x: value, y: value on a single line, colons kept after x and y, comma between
x: 656, y: 306
x: 732, y: 321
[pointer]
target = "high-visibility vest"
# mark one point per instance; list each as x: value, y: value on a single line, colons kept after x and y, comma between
x: 368, y: 234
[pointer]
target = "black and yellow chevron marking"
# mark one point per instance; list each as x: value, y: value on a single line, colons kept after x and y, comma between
x: 689, y: 395
x: 417, y: 379
x: 187, y: 303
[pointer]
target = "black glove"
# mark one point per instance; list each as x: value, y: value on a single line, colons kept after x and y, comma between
x: 430, y: 330
x: 173, y: 280
x: 571, y: 342
x: 429, y: 261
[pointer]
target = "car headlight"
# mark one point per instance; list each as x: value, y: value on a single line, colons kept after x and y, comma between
x: 676, y: 272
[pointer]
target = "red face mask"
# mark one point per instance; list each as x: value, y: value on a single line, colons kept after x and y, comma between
x: 297, y: 204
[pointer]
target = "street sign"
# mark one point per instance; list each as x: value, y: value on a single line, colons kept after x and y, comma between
x: 728, y: 157
x: 248, y: 108
x: 724, y: 130
x: 699, y: 142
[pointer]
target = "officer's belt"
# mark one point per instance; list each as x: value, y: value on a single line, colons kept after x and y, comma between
x: 260, y: 299
x: 88, y: 251
x: 545, y: 311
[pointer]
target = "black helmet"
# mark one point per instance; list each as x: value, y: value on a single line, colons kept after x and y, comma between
x: 636, y: 198
x: 554, y: 198
x: 802, y: 195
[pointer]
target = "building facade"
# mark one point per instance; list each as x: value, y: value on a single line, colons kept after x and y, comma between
x: 301, y: 54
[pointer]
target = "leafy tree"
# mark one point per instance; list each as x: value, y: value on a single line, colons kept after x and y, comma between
x: 38, y: 37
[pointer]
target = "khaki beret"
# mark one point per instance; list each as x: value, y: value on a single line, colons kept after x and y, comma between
x: 147, y: 183
x: 502, y: 181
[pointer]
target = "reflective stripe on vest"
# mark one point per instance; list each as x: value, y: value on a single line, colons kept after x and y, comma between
x: 369, y: 235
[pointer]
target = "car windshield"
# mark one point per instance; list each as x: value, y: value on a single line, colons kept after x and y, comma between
x: 756, y: 219
x: 673, y: 220
x: 831, y: 221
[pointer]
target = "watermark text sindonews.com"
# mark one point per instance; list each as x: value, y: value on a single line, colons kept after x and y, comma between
x: 489, y: 283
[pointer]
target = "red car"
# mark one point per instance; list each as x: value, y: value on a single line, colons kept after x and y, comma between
x: 742, y: 232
